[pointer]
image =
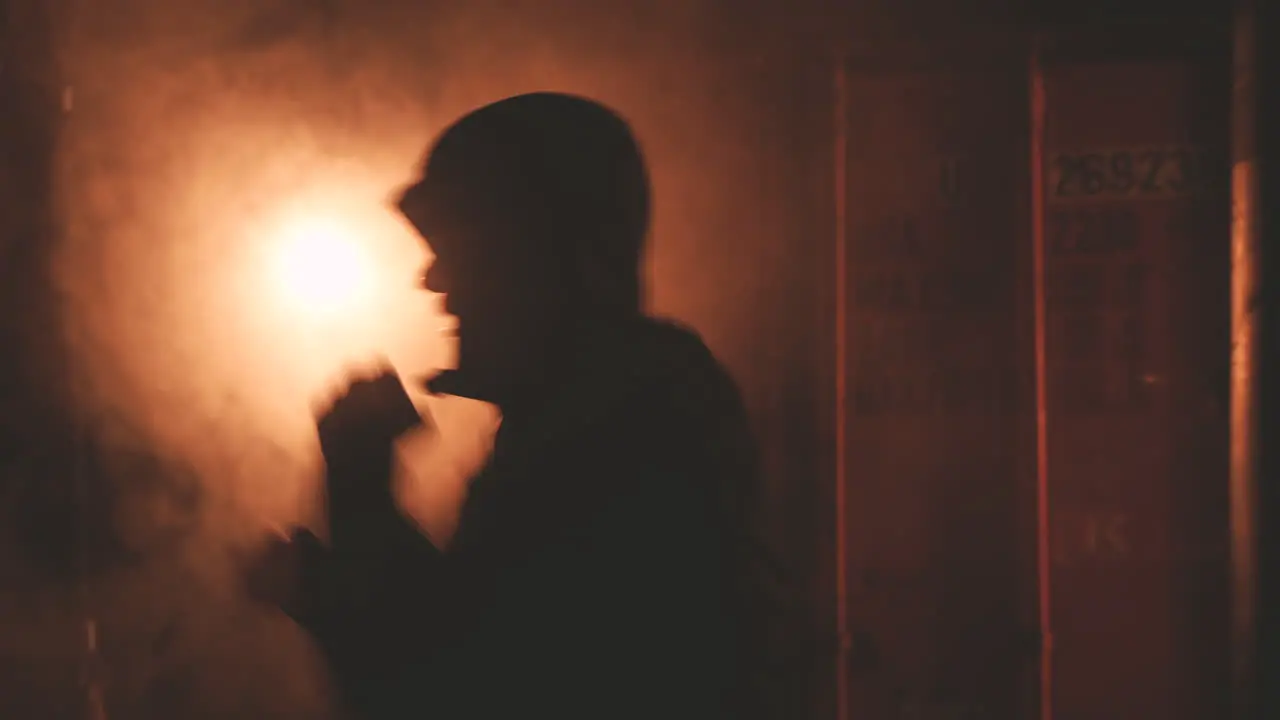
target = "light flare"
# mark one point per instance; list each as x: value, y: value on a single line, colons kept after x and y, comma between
x: 320, y: 270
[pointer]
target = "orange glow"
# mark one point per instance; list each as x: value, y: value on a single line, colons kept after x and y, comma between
x: 319, y: 269
x: 330, y: 288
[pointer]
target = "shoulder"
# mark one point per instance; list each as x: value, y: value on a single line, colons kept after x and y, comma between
x: 688, y: 409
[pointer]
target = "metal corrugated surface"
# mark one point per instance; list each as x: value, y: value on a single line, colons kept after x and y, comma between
x: 940, y: 587
x: 1136, y: 239
x: 940, y: 521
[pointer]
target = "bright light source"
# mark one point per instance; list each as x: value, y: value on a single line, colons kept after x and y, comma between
x: 320, y: 269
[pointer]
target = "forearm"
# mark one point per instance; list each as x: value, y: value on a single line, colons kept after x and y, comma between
x: 372, y: 624
x: 381, y: 583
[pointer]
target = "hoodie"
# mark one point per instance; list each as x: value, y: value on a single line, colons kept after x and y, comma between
x: 603, y: 565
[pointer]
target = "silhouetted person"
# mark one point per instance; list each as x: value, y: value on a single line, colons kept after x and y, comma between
x: 599, y: 567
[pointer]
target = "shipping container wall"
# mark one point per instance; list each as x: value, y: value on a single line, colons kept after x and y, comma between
x: 939, y: 545
x: 940, y: 582
x: 1137, y: 238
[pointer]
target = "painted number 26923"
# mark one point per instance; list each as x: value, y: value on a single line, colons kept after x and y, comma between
x: 1125, y: 173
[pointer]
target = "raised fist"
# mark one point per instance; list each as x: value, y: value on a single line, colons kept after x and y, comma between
x: 365, y: 419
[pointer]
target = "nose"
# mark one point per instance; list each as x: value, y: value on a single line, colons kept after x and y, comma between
x: 434, y: 279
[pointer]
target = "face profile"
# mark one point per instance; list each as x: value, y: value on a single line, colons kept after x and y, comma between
x: 536, y: 209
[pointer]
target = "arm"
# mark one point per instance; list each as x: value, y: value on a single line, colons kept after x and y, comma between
x: 379, y: 589
x: 376, y: 592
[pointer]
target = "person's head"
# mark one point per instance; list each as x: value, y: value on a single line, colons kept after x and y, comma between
x: 536, y: 208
